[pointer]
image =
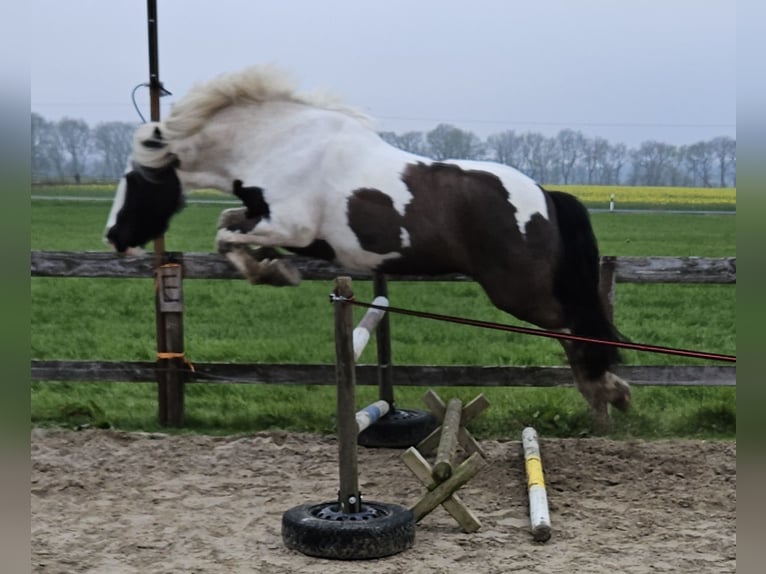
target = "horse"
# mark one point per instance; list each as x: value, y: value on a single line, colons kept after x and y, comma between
x: 315, y: 178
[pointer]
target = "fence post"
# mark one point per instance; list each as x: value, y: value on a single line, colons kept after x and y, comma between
x: 607, y: 283
x: 169, y: 307
x: 383, y: 342
x: 345, y: 372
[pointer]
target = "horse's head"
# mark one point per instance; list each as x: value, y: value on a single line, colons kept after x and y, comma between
x: 148, y: 194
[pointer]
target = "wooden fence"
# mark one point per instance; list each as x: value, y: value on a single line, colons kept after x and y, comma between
x: 690, y: 270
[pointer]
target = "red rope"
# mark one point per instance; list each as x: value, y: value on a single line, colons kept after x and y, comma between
x: 543, y: 332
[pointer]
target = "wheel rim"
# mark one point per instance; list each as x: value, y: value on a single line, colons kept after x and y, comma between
x: 333, y: 512
x: 401, y: 414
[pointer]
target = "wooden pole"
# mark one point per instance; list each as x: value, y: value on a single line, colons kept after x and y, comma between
x: 607, y: 283
x: 452, y: 503
x: 383, y: 341
x: 445, y: 453
x: 345, y: 373
x: 443, y: 490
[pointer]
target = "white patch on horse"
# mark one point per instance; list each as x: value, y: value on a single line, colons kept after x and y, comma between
x: 117, y: 203
x: 523, y: 192
x: 405, y: 238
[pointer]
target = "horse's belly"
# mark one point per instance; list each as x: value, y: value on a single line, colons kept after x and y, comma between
x: 360, y: 260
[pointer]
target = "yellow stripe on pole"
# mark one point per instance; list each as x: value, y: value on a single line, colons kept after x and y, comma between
x: 535, y: 472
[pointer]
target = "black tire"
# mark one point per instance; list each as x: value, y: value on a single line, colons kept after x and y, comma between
x: 400, y: 428
x: 322, y: 530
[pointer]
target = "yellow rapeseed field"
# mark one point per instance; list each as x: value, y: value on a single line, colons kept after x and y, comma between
x: 661, y: 197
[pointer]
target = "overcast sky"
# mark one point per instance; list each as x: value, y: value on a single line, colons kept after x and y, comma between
x: 629, y: 71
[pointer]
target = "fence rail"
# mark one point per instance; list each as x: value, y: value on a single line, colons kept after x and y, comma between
x: 214, y: 266
x: 409, y: 375
x: 688, y: 270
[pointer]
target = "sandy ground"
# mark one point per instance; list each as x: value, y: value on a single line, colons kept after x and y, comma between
x: 114, y: 502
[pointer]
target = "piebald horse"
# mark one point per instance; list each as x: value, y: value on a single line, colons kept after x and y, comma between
x: 315, y: 178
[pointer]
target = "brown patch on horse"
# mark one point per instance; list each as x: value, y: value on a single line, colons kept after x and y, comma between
x: 374, y: 220
x: 463, y: 222
x: 457, y: 217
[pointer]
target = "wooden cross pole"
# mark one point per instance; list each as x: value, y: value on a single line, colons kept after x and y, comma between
x: 444, y: 492
x: 444, y: 479
x: 469, y: 412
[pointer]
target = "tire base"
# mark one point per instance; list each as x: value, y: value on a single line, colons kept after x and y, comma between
x: 321, y: 530
x: 400, y: 428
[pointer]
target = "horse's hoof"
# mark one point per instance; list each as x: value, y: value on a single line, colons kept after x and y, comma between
x: 622, y: 403
x: 262, y: 253
x: 232, y: 217
x: 278, y: 273
x: 619, y: 392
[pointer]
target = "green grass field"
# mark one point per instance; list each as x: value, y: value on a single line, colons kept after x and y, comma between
x: 110, y: 319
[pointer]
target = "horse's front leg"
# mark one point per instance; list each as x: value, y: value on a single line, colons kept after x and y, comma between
x: 237, y: 232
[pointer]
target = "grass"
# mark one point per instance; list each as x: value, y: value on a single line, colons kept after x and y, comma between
x: 226, y: 409
x: 112, y: 319
x: 295, y: 325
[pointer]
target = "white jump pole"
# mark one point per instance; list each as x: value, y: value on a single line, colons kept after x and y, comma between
x: 361, y: 336
x: 538, y: 499
x: 371, y: 414
x: 367, y: 326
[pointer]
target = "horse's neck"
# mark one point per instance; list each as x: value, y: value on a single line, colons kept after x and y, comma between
x: 264, y: 144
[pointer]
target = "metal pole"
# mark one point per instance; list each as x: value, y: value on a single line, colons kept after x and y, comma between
x: 154, y: 65
x: 154, y: 95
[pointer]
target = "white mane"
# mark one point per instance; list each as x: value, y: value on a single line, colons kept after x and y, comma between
x: 256, y: 84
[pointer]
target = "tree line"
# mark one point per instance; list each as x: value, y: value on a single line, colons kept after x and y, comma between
x: 71, y: 150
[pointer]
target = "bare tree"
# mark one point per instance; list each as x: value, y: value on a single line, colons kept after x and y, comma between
x: 570, y: 146
x: 725, y: 152
x: 537, y: 154
x: 506, y: 147
x: 699, y: 163
x: 595, y: 159
x: 448, y: 142
x: 47, y: 148
x: 616, y: 156
x: 112, y: 142
x: 40, y: 160
x: 653, y: 163
x: 413, y: 142
x: 75, y: 137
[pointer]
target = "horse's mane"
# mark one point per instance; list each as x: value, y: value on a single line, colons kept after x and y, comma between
x: 256, y: 84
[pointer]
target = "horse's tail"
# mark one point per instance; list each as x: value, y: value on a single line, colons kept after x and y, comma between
x: 577, y: 284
